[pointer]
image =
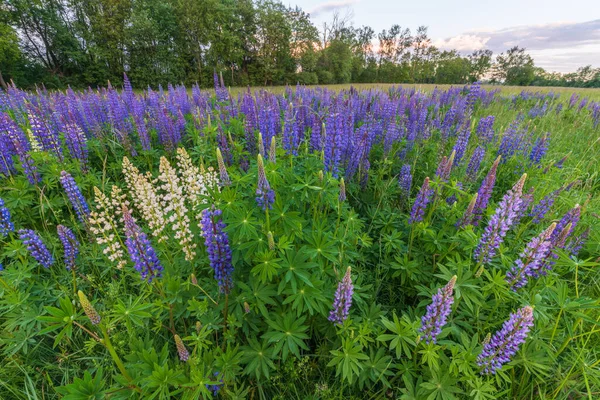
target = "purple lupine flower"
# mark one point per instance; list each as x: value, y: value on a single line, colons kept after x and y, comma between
x: 485, y: 193
x: 141, y: 252
x: 7, y: 150
x: 265, y: 196
x: 70, y: 245
x: 6, y: 224
x: 215, y: 388
x: 75, y: 197
x: 420, y: 204
x: 47, y: 137
x: 22, y: 147
x: 76, y: 143
x: 405, y: 180
x: 526, y: 202
x: 512, y: 140
x: 475, y: 163
x: 183, y: 353
x: 500, y: 223
x: 217, y: 247
x: 573, y: 100
x: 291, y: 131
x: 450, y: 200
x: 36, y: 247
x: 505, y: 342
x: 558, y: 108
x: 571, y: 217
x: 576, y: 244
x: 472, y: 96
x: 485, y: 129
x: 540, y: 210
x: 437, y: 312
x: 539, y: 149
x: 445, y: 167
x: 342, y: 196
x: 343, y: 299
x: 460, y: 147
x: 530, y: 260
x: 467, y: 218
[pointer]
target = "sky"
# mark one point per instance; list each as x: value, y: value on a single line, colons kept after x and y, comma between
x: 560, y: 35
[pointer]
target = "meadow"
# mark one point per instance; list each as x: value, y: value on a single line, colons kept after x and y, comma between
x: 340, y: 242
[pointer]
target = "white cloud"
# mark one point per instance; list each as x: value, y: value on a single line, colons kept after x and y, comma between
x: 561, y: 46
x: 331, y: 6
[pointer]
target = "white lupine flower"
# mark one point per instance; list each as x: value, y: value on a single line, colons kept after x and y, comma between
x: 173, y: 205
x: 145, y: 198
x: 104, y: 226
x: 196, y: 182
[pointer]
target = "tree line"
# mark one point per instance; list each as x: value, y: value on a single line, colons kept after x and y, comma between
x: 90, y: 42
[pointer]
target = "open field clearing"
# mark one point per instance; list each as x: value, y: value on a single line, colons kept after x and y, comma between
x: 311, y: 242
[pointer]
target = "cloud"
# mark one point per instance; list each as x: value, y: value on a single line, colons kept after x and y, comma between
x: 559, y: 46
x: 330, y: 6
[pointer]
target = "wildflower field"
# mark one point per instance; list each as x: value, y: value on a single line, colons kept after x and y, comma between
x: 308, y: 243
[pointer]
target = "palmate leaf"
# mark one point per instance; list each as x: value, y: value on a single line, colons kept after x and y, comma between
x: 404, y: 331
x: 60, y: 318
x: 258, y: 294
x: 348, y: 360
x: 291, y: 221
x: 441, y: 387
x: 258, y: 358
x: 288, y: 335
x: 320, y: 245
x: 307, y: 298
x: 266, y: 266
x: 298, y: 265
x: 377, y: 368
x: 86, y: 388
x: 241, y: 224
x: 132, y: 312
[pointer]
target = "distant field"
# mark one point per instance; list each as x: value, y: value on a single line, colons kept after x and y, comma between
x: 564, y: 91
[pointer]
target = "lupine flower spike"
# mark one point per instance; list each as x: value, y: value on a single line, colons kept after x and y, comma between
x: 265, y: 196
x: 88, y: 308
x: 70, y: 245
x: 485, y: 193
x: 467, y: 218
x: 140, y: 249
x: 437, y: 312
x: 184, y: 354
x: 420, y: 204
x: 530, y: 260
x: 342, y: 196
x: 174, y: 208
x: 217, y: 247
x: 6, y: 224
x: 36, y: 247
x: 343, y: 299
x: 75, y: 197
x: 271, y: 241
x: 225, y: 181
x: 505, y: 342
x: 261, y: 145
x: 500, y: 223
x: 273, y: 151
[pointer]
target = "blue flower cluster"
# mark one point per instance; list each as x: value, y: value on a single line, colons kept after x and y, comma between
x: 217, y: 247
x: 36, y: 247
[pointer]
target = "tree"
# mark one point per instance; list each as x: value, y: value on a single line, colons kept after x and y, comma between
x: 481, y: 62
x: 9, y: 52
x: 515, y: 67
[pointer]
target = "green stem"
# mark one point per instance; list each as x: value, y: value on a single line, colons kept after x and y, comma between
x: 107, y: 343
